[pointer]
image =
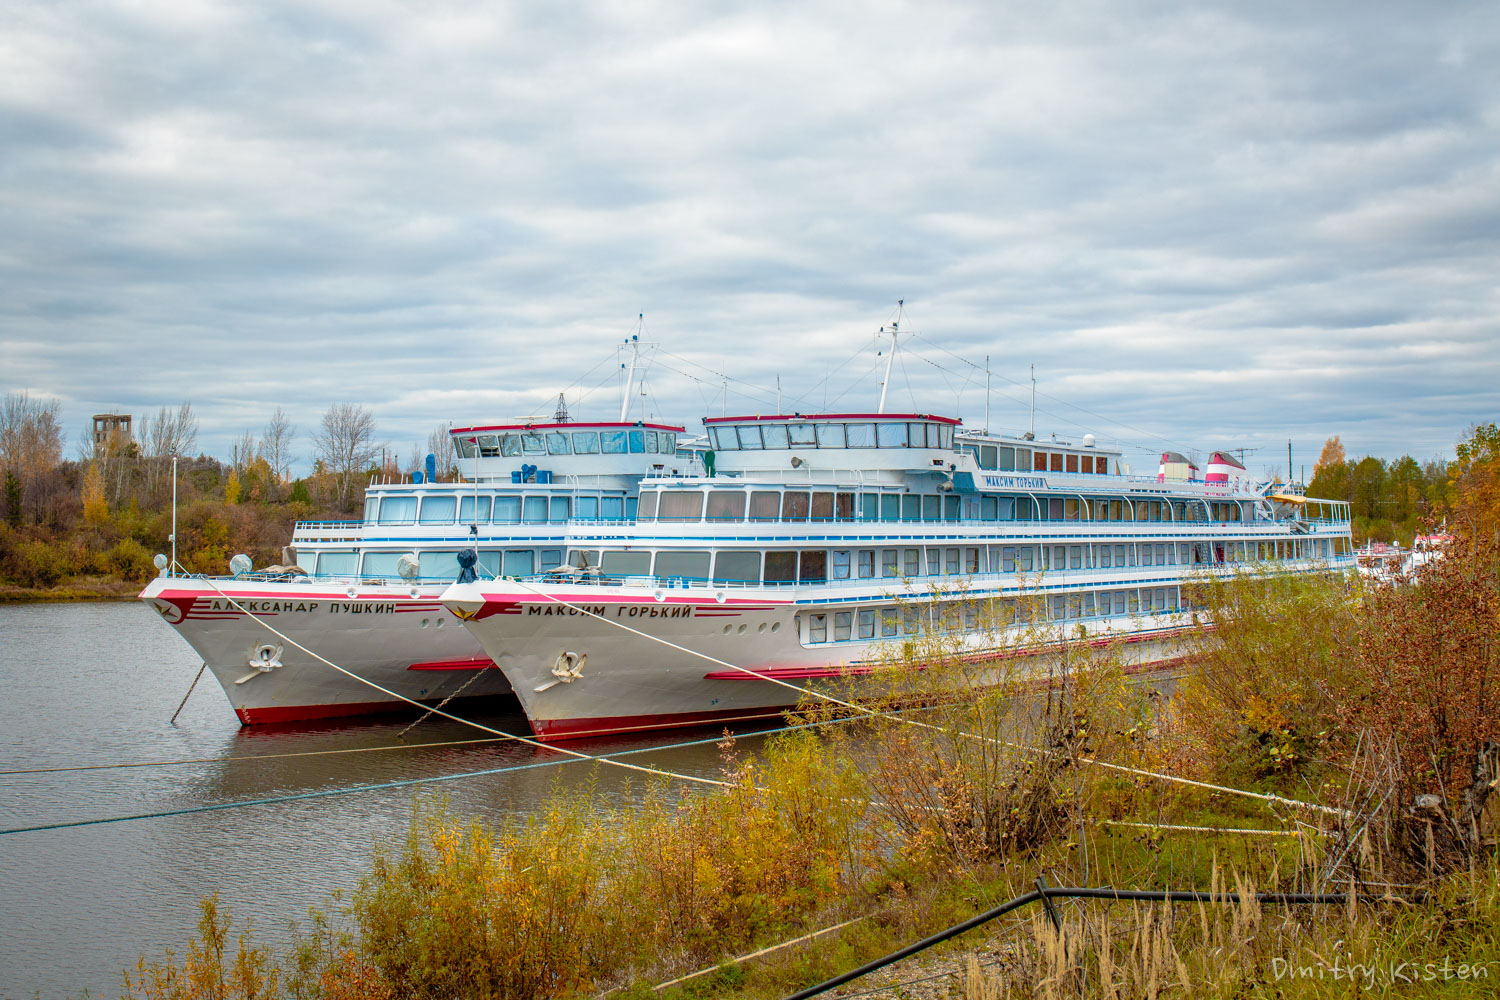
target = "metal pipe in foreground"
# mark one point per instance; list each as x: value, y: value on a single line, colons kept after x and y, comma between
x: 1065, y: 892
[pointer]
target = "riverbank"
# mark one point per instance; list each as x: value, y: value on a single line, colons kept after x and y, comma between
x: 90, y: 589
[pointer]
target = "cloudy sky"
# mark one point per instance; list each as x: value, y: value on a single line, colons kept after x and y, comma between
x: 1206, y: 225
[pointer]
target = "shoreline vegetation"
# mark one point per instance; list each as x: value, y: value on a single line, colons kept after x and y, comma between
x: 1368, y: 715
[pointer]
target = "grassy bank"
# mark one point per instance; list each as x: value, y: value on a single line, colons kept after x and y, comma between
x: 94, y: 589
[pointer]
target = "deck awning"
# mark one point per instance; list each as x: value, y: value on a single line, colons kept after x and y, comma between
x: 1288, y: 498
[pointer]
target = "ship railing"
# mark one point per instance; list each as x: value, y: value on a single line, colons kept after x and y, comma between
x: 326, y: 525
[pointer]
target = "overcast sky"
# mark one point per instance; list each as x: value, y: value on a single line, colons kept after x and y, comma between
x: 1206, y: 225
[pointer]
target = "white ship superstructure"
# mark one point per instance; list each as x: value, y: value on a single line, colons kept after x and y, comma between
x: 364, y: 593
x: 810, y: 542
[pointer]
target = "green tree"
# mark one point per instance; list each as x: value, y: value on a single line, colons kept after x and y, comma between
x: 12, y: 498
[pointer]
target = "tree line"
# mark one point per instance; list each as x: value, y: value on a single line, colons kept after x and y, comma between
x: 98, y: 517
x: 1390, y: 501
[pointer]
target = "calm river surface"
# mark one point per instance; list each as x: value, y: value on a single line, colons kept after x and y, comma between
x: 91, y: 684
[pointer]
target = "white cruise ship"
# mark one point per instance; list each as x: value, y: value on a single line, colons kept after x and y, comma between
x: 810, y: 541
x: 365, y: 593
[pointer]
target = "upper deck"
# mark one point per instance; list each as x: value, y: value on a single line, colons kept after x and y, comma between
x: 544, y: 452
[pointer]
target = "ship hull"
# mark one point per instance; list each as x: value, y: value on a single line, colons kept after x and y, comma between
x: 692, y: 660
x: 267, y: 643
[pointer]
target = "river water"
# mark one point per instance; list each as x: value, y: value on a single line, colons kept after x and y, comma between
x: 94, y: 684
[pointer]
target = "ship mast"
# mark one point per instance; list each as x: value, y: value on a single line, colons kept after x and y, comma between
x: 635, y: 354
x: 895, y: 329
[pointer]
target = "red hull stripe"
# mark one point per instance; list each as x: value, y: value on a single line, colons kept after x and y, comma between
x: 575, y: 729
x: 471, y: 663
x: 309, y: 713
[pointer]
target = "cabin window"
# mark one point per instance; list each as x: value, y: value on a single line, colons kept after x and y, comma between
x: 843, y: 621
x: 1055, y: 461
x: 1104, y: 554
x: 866, y: 564
x: 1056, y: 603
x: 950, y: 561
x: 466, y: 510
x: 439, y: 565
x: 934, y: 562
x: 398, y: 510
x: 890, y: 506
x: 1146, y: 559
x: 439, y: 510
x: 1070, y: 510
x: 822, y: 506
x: 381, y: 564
x: 913, y: 563
x: 830, y: 435
x: 911, y: 507
x: 911, y: 623
x: 1039, y: 461
x: 646, y: 509
x: 1120, y: 561
x: 617, y: 562
x: 336, y: 563
x: 372, y: 505
x: 520, y: 562
x: 889, y: 564
x: 586, y: 442
x: 559, y: 509
x: 749, y: 437
x: 534, y: 510
x: 1086, y: 464
x: 814, y: 566
x: 691, y: 565
x: 931, y: 507
x: 841, y: 564
x: 612, y: 508
x: 794, y: 505
x: 1008, y: 559
x: 764, y: 506
x: 586, y: 508
x: 507, y: 510
x: 1072, y: 461
x: 726, y: 505
x: 1162, y: 552
x: 775, y: 436
x: 1101, y: 465
x: 989, y: 508
x: 867, y: 623
x: 1055, y: 509
x: 1075, y: 557
x: 888, y: 621
x: 584, y: 558
x: 781, y: 567
x: 950, y: 508
x: 737, y: 567
x: 987, y: 456
x: 680, y: 505
x: 860, y: 436
x: 890, y: 435
x: 845, y: 507
x: 613, y: 442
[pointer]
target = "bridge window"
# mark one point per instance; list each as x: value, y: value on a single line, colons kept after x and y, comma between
x: 803, y: 435
x: 737, y: 567
x: 830, y: 435
x: 861, y: 436
x: 586, y: 442
x: 533, y: 444
x: 510, y: 445
x: 775, y: 436
x: 637, y: 441
x: 558, y: 443
x: 749, y: 437
x: 613, y: 442
x: 890, y: 435
x: 726, y: 505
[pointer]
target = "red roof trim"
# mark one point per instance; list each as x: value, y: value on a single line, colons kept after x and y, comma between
x: 569, y: 426
x: 834, y: 416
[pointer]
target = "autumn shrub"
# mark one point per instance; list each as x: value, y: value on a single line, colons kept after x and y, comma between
x: 131, y: 561
x: 1263, y: 681
x: 36, y: 563
x: 215, y: 967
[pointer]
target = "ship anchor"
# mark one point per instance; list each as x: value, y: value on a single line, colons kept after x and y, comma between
x: 263, y: 660
x: 567, y: 669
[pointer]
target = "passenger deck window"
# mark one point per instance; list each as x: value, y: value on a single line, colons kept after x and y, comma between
x: 438, y: 510
x: 691, y: 565
x: 620, y: 563
x: 646, y: 509
x: 794, y: 505
x: 681, y: 505
x: 398, y: 510
x: 726, y: 505
x: 559, y: 509
x: 867, y: 623
x: 764, y: 506
x: 587, y: 508
x: 520, y: 562
x: 845, y: 511
x: 842, y: 622
x: 534, y: 510
x: 987, y: 456
x: 866, y: 564
x: 890, y: 506
x: 822, y: 506
x: 612, y: 508
x: 1039, y: 461
x: 817, y: 628
x: 1055, y: 461
x: 466, y: 510
x: 781, y: 567
x: 737, y: 567
x: 841, y: 564
x: 1072, y: 463
x: 507, y: 510
x: 814, y: 568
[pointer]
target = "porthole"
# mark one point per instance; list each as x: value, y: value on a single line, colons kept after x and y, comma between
x: 742, y: 628
x: 776, y: 626
x: 424, y: 622
x: 761, y: 627
x: 727, y: 628
x: 440, y: 622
